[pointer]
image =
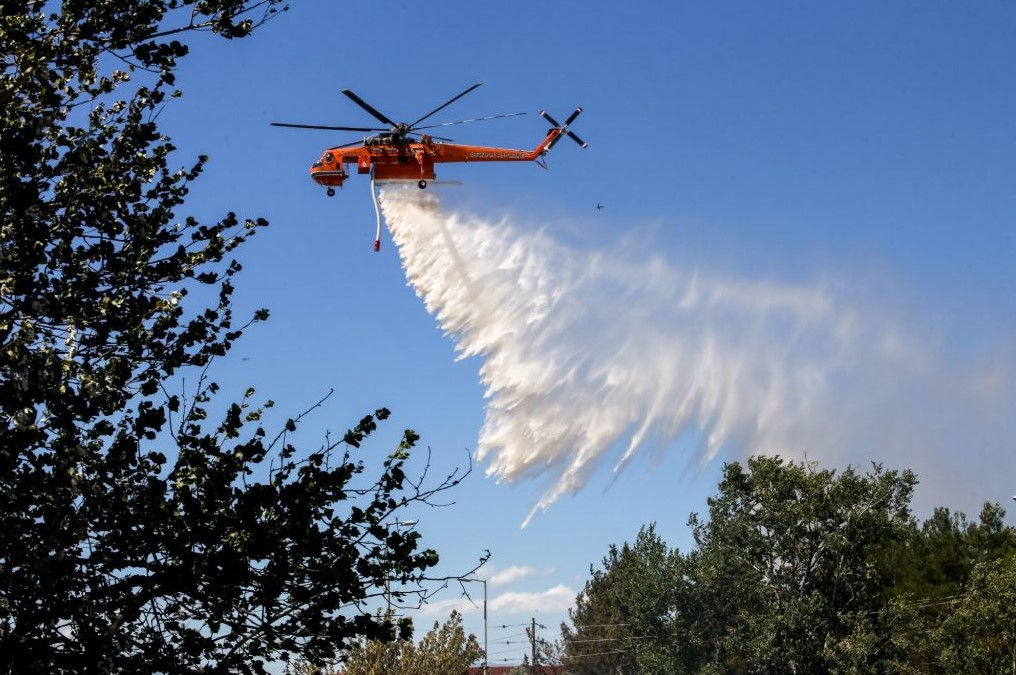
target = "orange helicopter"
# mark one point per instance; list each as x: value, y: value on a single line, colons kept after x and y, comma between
x: 399, y: 152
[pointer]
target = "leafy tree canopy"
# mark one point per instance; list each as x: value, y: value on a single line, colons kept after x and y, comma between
x: 802, y: 570
x: 781, y: 576
x: 623, y: 618
x: 444, y: 650
x: 785, y: 557
x: 148, y: 526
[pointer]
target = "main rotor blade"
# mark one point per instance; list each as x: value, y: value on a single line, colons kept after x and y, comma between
x: 345, y: 145
x: 445, y: 104
x: 322, y: 126
x: 475, y: 119
x: 436, y: 138
x: 366, y: 106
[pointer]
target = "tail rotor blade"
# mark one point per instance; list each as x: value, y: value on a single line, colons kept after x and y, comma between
x: 578, y: 140
x: 549, y: 118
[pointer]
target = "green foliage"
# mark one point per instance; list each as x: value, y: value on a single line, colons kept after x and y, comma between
x: 624, y: 617
x: 936, y: 562
x: 800, y: 570
x: 785, y: 578
x: 951, y: 610
x: 785, y: 559
x: 444, y: 650
x: 979, y: 635
x: 140, y: 535
x: 304, y: 668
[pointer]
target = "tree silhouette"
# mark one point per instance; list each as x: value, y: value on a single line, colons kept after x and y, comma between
x: 148, y: 526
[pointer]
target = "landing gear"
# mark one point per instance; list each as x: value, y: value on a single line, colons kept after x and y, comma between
x: 422, y: 184
x: 330, y: 192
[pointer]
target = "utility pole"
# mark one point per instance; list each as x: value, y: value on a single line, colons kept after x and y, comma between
x: 532, y: 638
x: 486, y: 654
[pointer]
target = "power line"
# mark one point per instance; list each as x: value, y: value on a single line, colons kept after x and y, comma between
x: 570, y: 641
x: 583, y: 656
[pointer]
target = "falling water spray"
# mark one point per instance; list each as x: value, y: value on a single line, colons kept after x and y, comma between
x: 590, y: 356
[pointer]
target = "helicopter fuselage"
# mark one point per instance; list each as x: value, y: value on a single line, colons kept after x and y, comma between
x: 391, y: 157
x: 396, y: 154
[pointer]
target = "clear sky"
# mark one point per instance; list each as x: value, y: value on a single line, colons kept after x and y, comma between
x: 806, y: 247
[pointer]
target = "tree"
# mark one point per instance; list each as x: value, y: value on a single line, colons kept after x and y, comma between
x: 979, y: 635
x: 786, y: 567
x: 935, y: 561
x: 547, y: 653
x: 304, y: 668
x: 785, y: 577
x: 946, y: 574
x: 972, y: 632
x: 623, y: 619
x: 139, y: 534
x: 444, y: 650
x: 798, y: 569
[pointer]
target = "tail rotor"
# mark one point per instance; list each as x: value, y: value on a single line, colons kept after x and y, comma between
x: 564, y: 128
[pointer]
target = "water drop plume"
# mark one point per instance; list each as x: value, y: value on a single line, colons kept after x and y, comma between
x: 593, y: 355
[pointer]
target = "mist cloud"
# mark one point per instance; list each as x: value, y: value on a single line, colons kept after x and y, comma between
x: 590, y: 356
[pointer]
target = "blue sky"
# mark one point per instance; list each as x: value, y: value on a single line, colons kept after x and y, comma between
x: 807, y: 234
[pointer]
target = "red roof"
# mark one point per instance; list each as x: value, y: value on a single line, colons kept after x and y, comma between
x: 504, y: 670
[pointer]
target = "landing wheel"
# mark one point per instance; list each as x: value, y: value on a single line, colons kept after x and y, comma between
x: 422, y: 184
x: 330, y: 192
